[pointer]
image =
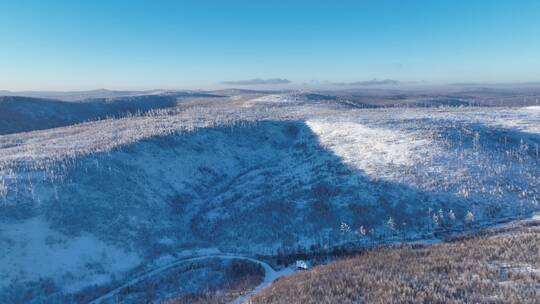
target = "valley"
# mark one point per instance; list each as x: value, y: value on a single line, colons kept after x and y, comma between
x: 261, y: 178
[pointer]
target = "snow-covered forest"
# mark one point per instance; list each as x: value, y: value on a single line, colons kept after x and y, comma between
x: 88, y: 203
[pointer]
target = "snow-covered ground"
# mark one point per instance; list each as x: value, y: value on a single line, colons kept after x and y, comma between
x: 270, y: 275
x: 372, y: 149
x: 86, y: 204
x: 32, y: 250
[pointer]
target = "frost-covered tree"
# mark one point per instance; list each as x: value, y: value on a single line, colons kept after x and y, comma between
x: 469, y: 217
x: 451, y: 215
x: 436, y: 220
x: 361, y: 231
x: 476, y: 141
x: 344, y: 228
x: 3, y: 188
x: 391, y: 224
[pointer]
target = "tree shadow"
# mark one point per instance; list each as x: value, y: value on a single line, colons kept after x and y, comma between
x: 260, y: 188
x: 255, y: 188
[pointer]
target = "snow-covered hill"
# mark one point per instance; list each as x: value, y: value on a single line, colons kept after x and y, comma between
x: 259, y: 176
x: 21, y: 114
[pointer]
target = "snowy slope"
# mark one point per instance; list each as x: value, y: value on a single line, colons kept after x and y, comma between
x: 31, y: 250
x: 252, y: 179
x: 21, y: 114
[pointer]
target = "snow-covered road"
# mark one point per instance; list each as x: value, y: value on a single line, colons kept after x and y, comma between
x: 269, y: 275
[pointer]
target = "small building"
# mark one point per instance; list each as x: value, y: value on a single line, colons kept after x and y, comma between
x: 301, y: 265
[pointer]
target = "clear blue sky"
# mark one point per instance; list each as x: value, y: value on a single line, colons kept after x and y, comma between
x: 72, y: 45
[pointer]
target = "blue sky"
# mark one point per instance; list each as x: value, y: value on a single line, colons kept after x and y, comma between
x: 78, y: 45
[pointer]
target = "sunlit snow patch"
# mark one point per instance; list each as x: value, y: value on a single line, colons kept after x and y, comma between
x: 376, y: 151
x: 533, y: 108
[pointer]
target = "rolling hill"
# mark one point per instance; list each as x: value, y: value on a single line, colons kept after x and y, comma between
x: 266, y: 176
